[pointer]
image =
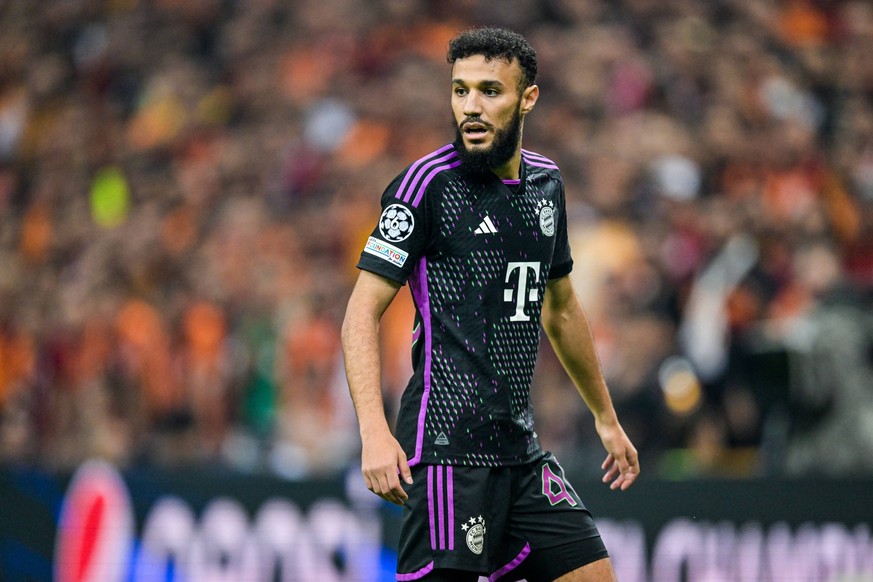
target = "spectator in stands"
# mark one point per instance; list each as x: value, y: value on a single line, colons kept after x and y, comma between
x: 172, y: 174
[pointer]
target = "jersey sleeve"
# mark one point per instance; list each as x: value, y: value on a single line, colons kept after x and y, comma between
x: 398, y: 239
x: 562, y: 261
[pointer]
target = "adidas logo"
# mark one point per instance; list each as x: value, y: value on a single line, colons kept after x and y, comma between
x: 441, y: 439
x: 486, y: 227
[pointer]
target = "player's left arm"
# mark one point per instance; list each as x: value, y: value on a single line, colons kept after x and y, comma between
x: 569, y: 332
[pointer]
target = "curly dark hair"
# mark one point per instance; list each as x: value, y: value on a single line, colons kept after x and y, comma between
x: 496, y: 43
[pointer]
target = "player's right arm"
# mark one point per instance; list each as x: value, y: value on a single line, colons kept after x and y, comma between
x: 383, y: 462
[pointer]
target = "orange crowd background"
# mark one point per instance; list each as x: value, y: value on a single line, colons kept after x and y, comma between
x: 185, y: 187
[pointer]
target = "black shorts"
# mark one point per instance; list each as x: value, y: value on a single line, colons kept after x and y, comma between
x: 501, y: 522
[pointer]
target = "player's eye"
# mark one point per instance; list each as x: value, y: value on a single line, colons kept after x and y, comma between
x: 460, y: 91
x: 491, y: 92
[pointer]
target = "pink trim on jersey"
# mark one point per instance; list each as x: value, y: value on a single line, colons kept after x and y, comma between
x: 415, y: 575
x: 421, y: 189
x: 418, y: 287
x: 430, y: 512
x: 515, y: 563
x: 410, y: 185
x: 540, y: 161
x: 450, y: 479
x: 441, y: 507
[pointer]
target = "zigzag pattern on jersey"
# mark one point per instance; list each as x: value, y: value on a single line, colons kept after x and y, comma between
x: 421, y: 173
x: 457, y: 203
x: 527, y: 207
x: 512, y: 350
x: 452, y: 397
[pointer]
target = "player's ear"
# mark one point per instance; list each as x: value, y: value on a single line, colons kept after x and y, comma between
x: 529, y: 98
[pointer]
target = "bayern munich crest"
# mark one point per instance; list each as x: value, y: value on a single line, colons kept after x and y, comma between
x: 396, y: 223
x: 475, y: 528
x: 546, y: 212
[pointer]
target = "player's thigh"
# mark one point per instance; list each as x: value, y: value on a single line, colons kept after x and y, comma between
x: 585, y: 557
x: 599, y: 571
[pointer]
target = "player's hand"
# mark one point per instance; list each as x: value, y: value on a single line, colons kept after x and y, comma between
x: 622, y: 465
x: 383, y: 464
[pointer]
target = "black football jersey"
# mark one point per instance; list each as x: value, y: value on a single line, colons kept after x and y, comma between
x: 476, y: 252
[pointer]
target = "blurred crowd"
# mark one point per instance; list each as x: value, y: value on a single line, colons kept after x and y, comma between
x: 186, y: 185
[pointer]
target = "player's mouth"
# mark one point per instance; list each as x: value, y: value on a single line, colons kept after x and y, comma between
x: 474, y: 130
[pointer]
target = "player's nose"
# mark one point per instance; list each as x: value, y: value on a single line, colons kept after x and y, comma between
x: 473, y: 104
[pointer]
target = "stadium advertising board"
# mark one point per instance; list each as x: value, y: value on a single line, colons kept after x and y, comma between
x: 727, y: 552
x: 767, y: 530
x: 194, y: 526
x: 104, y: 525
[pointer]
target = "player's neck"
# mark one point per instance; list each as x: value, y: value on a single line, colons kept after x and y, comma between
x: 511, y: 170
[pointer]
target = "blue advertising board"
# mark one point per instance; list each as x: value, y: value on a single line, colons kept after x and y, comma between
x: 103, y: 524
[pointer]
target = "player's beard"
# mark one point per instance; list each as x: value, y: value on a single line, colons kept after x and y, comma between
x: 501, y: 150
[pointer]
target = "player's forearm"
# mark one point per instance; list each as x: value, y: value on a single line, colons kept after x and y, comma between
x: 573, y: 342
x: 360, y: 342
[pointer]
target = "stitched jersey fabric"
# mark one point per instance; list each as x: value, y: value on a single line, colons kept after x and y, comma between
x: 477, y: 253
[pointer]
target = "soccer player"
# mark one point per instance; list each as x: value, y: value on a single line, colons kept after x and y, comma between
x: 478, y: 229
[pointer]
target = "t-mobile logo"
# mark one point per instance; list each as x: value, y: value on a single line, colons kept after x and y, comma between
x: 526, y: 290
